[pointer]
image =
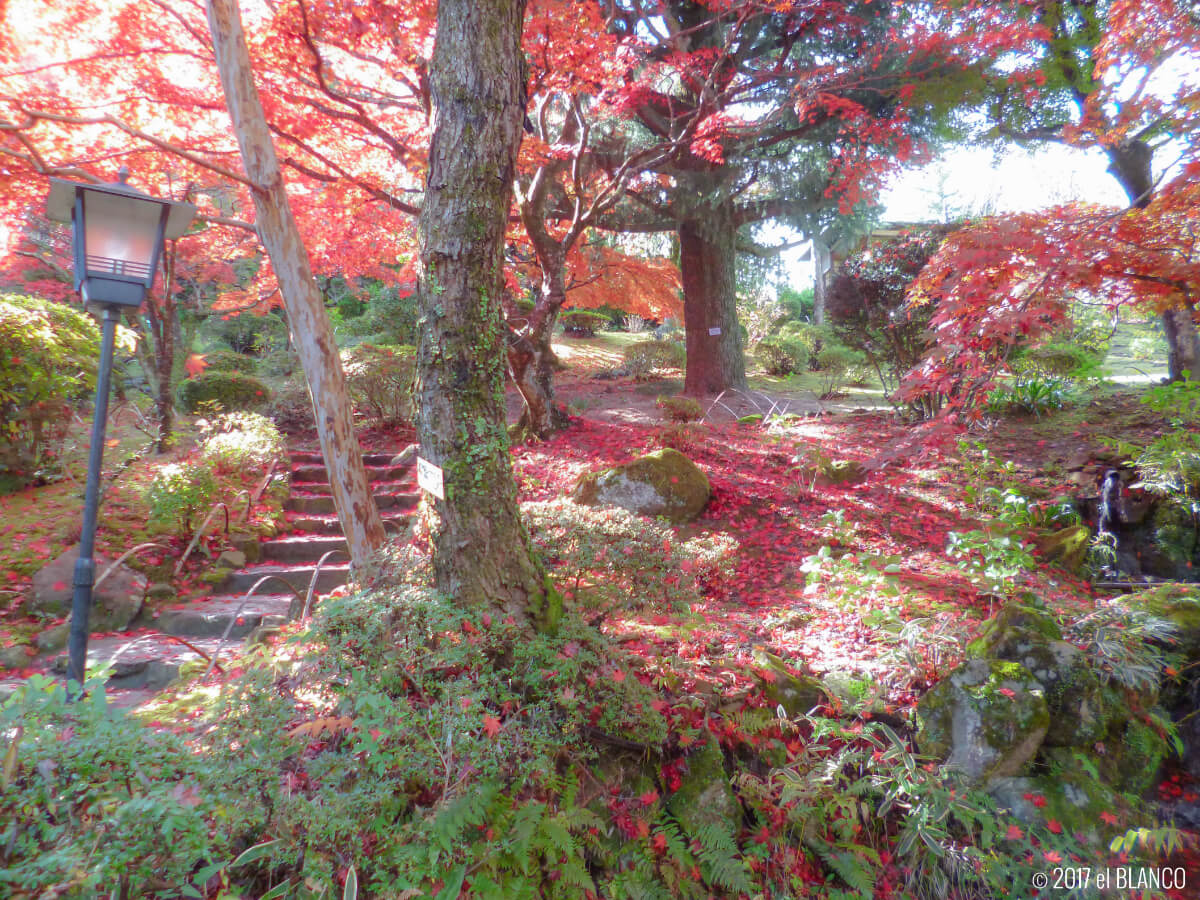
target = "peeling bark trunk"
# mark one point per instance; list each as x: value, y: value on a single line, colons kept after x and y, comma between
x: 482, y: 555
x: 305, y: 307
x: 1130, y: 164
x: 707, y: 249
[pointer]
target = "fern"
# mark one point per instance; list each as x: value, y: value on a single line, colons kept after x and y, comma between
x: 459, y: 814
x: 719, y: 861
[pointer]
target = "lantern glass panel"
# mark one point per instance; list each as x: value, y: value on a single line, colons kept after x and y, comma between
x: 120, y: 234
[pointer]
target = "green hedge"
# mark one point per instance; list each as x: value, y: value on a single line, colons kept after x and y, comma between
x: 230, y: 361
x: 781, y: 355
x: 645, y: 356
x: 582, y: 322
x: 232, y: 390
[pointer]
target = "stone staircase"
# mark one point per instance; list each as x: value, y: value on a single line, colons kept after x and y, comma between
x: 291, y: 559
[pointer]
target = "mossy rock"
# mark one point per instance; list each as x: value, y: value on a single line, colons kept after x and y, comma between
x: 705, y: 797
x: 1178, y: 604
x: 1078, y: 712
x: 986, y: 719
x: 1133, y: 753
x: 249, y: 545
x: 664, y: 483
x: 797, y: 694
x: 1017, y: 627
x: 1066, y: 548
x: 18, y: 656
x: 1072, y: 798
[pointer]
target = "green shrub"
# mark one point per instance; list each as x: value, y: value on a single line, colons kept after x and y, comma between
x: 179, y: 494
x: 232, y: 390
x: 230, y: 361
x: 49, y: 354
x: 249, y: 333
x: 239, y: 441
x: 1031, y: 394
x: 780, y: 355
x: 380, y: 381
x: 390, y: 317
x: 680, y: 409
x: 291, y: 405
x: 98, y: 800
x: 583, y: 322
x: 642, y: 358
x: 835, y: 363
x: 1058, y: 358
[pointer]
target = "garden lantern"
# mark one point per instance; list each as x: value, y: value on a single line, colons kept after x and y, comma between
x: 117, y: 236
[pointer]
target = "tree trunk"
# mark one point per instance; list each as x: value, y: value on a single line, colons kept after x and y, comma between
x: 319, y: 357
x: 707, y: 255
x: 482, y: 555
x: 1130, y: 164
x: 1183, y: 360
x: 822, y: 262
x: 531, y: 359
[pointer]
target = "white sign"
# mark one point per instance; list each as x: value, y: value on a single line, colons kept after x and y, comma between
x: 429, y: 478
x: 714, y: 331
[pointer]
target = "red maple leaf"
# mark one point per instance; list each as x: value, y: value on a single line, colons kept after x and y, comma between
x: 491, y: 726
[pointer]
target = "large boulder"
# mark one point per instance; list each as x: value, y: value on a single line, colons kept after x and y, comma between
x: 665, y: 483
x: 1074, y: 695
x: 115, y: 602
x: 986, y: 719
x: 1018, y: 626
x: 1069, y: 796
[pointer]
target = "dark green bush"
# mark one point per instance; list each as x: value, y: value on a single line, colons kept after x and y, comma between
x: 583, y: 322
x: 232, y: 390
x: 1062, y: 358
x: 781, y: 355
x: 230, y: 361
x: 644, y: 357
x: 390, y: 317
x: 380, y: 380
x: 249, y: 333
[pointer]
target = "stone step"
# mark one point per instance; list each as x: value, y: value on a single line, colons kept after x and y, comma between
x: 322, y: 489
x: 210, y: 617
x: 301, y: 547
x: 334, y: 573
x: 318, y: 473
x: 394, y: 520
x: 146, y: 661
x: 314, y: 458
x: 323, y: 505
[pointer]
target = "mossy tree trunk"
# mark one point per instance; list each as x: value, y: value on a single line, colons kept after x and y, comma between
x: 707, y: 260
x: 482, y: 554
x: 319, y: 358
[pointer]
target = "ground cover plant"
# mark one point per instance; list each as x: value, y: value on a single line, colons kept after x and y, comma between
x: 392, y: 743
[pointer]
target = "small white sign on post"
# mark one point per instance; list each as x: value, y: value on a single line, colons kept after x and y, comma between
x: 429, y: 478
x: 714, y: 331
